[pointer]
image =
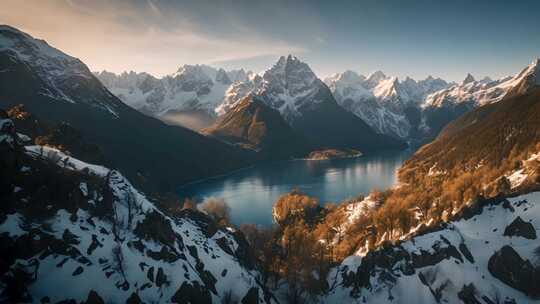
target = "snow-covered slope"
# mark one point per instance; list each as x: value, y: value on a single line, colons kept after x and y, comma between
x: 72, y: 231
x: 55, y: 75
x: 192, y: 87
x: 381, y: 101
x: 289, y: 86
x: 481, y: 92
x: 307, y: 104
x: 418, y: 108
x: 489, y: 257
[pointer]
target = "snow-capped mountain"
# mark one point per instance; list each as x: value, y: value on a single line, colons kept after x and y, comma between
x: 55, y: 75
x: 418, y: 109
x: 440, y: 108
x: 288, y: 86
x: 77, y: 232
x: 306, y: 103
x: 477, y: 93
x: 382, y: 101
x: 192, y: 87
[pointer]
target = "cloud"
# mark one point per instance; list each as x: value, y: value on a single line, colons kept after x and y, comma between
x: 121, y: 35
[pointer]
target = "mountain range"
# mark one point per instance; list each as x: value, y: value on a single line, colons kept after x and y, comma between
x: 414, y: 111
x: 192, y: 87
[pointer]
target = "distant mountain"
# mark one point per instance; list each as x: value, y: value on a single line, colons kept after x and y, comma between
x: 491, y: 134
x: 306, y: 103
x: 192, y: 87
x: 388, y: 105
x: 254, y: 125
x: 59, y: 88
x: 416, y: 110
x: 446, y: 105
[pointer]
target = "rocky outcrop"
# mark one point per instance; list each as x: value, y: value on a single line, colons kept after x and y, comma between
x: 520, y: 228
x: 509, y: 267
x: 188, y: 293
x: 251, y: 297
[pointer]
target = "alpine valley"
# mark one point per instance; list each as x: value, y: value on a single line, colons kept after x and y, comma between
x: 90, y: 162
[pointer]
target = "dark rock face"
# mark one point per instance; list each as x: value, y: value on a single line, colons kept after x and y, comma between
x: 466, y: 252
x: 94, y: 298
x: 467, y: 295
x: 507, y: 266
x: 134, y: 299
x: 381, y: 259
x: 519, y: 227
x: 252, y: 296
x: 195, y: 293
x: 156, y: 227
x: 426, y: 258
x: 243, y: 252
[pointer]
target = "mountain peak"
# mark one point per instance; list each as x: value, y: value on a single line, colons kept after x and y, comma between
x: 374, y: 79
x: 291, y: 57
x: 194, y: 72
x: 528, y: 77
x: 377, y: 75
x: 285, y: 61
x: 5, y: 27
x: 486, y: 79
x: 534, y: 69
x: 468, y: 79
x: 290, y: 68
x: 408, y: 80
x: 350, y: 76
x: 222, y: 77
x: 31, y: 49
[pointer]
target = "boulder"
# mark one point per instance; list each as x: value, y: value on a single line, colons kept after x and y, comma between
x: 94, y: 298
x: 252, y: 296
x: 507, y: 266
x: 467, y: 294
x: 134, y: 299
x: 520, y: 228
x: 195, y: 293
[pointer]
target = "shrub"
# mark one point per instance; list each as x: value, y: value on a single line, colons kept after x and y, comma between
x: 294, y: 206
x: 217, y: 209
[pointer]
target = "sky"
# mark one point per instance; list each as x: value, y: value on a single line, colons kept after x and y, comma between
x: 414, y: 38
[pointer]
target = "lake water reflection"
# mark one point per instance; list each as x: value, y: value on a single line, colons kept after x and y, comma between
x: 251, y: 192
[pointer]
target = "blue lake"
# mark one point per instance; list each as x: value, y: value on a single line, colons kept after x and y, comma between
x: 251, y: 192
